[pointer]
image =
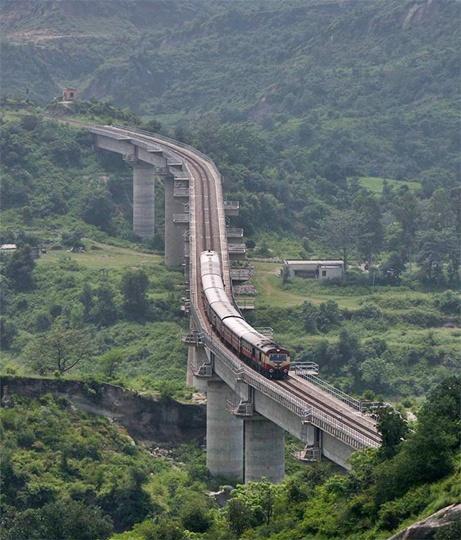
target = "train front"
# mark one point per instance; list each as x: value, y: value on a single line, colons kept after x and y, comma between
x: 277, y: 363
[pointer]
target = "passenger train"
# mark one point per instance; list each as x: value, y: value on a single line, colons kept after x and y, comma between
x: 253, y: 348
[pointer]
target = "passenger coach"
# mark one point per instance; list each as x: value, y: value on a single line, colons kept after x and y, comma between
x: 261, y: 353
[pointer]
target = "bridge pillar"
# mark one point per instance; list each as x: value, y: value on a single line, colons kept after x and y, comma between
x: 224, y: 434
x: 174, y: 228
x: 143, y: 199
x: 264, y: 450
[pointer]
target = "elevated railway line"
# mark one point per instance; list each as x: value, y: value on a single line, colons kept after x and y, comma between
x: 262, y: 407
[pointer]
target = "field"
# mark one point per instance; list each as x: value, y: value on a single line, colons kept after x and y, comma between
x: 151, y: 357
x: 404, y: 342
x: 99, y: 256
x: 375, y: 183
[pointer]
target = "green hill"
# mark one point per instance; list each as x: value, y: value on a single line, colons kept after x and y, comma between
x: 368, y: 85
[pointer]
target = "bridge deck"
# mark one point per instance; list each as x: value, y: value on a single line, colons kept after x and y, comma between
x: 208, y: 231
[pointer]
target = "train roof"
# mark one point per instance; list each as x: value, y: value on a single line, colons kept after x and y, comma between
x: 212, y: 281
x: 216, y: 295
x: 226, y: 311
x: 210, y: 263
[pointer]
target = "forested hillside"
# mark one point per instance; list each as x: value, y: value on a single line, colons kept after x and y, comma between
x: 335, y: 123
x: 367, y: 86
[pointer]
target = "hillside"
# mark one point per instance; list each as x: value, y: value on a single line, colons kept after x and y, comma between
x: 368, y: 86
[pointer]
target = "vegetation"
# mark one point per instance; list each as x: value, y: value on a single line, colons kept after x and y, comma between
x: 335, y: 126
x: 70, y: 475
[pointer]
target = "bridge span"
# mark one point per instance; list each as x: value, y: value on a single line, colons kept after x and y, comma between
x: 247, y: 414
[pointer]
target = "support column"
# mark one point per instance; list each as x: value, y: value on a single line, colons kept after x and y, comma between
x: 174, y: 232
x: 224, y: 434
x: 143, y: 200
x: 264, y: 450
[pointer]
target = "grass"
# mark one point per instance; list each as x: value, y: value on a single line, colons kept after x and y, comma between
x: 375, y: 183
x: 99, y: 256
x: 272, y: 292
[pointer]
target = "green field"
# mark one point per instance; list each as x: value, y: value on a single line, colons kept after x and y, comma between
x: 99, y: 256
x: 398, y: 330
x: 375, y: 183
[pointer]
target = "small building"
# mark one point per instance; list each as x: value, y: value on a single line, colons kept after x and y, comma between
x: 315, y: 269
x: 68, y: 94
x: 8, y: 248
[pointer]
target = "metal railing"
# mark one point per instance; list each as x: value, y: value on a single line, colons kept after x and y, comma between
x: 234, y: 232
x: 245, y: 303
x: 240, y: 372
x: 237, y: 248
x: 180, y: 191
x: 265, y: 331
x: 231, y: 205
x: 241, y: 274
x: 332, y: 390
x: 242, y: 408
x: 181, y: 218
x: 301, y: 368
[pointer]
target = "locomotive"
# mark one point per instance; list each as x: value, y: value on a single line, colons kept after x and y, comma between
x: 255, y: 349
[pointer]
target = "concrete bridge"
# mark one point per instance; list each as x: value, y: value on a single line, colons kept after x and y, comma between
x: 247, y: 414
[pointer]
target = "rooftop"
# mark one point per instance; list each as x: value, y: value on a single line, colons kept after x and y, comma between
x: 314, y: 261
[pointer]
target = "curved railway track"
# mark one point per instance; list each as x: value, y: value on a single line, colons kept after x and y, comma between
x: 208, y: 235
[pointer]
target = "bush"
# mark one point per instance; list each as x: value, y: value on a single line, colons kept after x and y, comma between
x: 42, y: 322
x: 448, y: 302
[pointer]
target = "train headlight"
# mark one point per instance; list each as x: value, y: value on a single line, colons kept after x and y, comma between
x: 271, y: 371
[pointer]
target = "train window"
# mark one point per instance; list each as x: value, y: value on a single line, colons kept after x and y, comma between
x: 278, y: 357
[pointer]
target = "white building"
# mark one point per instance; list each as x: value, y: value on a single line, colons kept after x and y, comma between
x: 316, y: 269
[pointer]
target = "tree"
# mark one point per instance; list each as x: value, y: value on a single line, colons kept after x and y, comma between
x: 434, y: 247
x: 339, y: 232
x: 104, y: 311
x: 97, y: 208
x: 239, y: 516
x: 58, y: 520
x: 393, y: 429
x: 134, y: 289
x: 110, y: 361
x: 328, y: 316
x: 7, y: 333
x: 392, y: 268
x: 310, y: 312
x: 369, y: 233
x: 86, y: 298
x: 20, y: 267
x: 72, y: 238
x: 406, y: 209
x: 60, y: 350
x: 195, y: 518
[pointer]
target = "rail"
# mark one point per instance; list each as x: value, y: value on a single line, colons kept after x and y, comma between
x: 307, y: 413
x: 330, y: 389
x: 239, y: 371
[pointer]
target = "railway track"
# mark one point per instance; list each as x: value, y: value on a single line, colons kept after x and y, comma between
x: 207, y: 234
x: 360, y: 426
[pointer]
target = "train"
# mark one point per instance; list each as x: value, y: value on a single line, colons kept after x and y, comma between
x: 255, y: 349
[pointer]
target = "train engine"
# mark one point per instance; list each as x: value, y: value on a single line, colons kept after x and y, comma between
x: 255, y: 349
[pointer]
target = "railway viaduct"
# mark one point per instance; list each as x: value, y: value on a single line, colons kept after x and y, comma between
x: 247, y: 414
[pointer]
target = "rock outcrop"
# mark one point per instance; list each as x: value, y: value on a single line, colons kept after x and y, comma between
x: 163, y: 421
x: 447, y: 519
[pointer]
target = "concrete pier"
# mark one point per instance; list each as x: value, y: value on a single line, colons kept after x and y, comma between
x: 224, y: 434
x: 264, y: 450
x: 143, y: 200
x: 174, y: 228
